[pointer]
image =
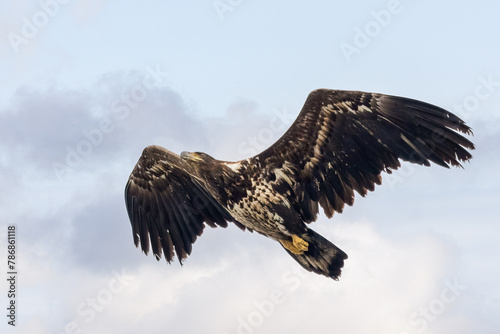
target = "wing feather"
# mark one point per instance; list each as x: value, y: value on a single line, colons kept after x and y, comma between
x: 168, y: 206
x: 342, y: 141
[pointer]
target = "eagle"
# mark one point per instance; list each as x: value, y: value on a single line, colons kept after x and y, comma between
x: 339, y: 144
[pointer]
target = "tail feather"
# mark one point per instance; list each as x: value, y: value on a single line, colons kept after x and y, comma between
x: 322, y: 257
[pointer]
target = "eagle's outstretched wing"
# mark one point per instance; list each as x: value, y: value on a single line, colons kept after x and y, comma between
x: 167, y: 206
x: 343, y: 140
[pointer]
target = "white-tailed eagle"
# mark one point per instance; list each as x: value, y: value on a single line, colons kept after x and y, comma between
x: 339, y: 144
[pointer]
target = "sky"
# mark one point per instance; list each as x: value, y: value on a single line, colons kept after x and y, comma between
x: 86, y: 85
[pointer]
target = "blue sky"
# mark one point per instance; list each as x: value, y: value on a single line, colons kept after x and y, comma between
x: 88, y: 84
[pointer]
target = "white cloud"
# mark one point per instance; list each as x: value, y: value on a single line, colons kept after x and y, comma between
x: 256, y: 287
x: 76, y: 235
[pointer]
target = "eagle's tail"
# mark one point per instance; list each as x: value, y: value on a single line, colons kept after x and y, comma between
x: 321, y: 257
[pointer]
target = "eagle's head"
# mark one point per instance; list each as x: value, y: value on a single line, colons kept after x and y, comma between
x: 197, y: 158
x: 200, y: 162
x: 205, y: 167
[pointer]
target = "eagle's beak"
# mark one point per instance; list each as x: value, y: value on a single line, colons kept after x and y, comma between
x: 192, y: 156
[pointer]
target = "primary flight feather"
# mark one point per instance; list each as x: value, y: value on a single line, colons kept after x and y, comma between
x: 340, y: 143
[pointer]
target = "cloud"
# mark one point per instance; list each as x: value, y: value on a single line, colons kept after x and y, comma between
x: 86, y: 128
x: 255, y: 288
x: 405, y: 247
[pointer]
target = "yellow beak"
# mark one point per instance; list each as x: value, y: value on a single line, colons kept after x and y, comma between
x: 191, y: 156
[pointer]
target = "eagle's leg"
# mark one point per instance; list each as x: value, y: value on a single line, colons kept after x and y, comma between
x: 296, y: 246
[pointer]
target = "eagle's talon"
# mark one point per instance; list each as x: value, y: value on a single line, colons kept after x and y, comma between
x: 300, y: 243
x: 296, y: 246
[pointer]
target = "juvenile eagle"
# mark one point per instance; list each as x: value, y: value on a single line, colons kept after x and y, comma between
x: 340, y: 143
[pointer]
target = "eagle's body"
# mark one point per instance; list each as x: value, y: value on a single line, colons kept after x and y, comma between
x: 340, y: 142
x: 255, y: 209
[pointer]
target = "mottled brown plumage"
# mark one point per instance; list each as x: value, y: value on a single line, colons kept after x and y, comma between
x: 340, y: 143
